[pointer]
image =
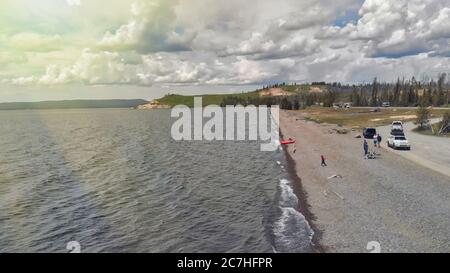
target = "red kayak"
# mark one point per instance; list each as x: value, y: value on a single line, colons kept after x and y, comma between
x: 286, y: 142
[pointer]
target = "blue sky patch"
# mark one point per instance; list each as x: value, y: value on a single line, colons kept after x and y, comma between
x: 348, y: 17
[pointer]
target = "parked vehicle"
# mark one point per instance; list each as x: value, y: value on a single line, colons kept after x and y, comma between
x: 347, y: 105
x: 337, y: 105
x: 397, y: 133
x: 398, y: 142
x: 386, y: 104
x: 369, y: 133
x: 397, y: 125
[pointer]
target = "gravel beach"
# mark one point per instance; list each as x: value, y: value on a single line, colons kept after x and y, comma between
x: 352, y: 201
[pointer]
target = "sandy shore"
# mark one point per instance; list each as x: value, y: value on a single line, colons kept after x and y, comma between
x: 391, y: 200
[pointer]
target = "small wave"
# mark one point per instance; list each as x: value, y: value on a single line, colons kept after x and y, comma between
x: 288, y: 197
x: 292, y: 231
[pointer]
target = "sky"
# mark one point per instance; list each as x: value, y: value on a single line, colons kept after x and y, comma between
x: 72, y: 49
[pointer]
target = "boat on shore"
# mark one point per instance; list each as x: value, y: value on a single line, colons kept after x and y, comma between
x: 287, y: 141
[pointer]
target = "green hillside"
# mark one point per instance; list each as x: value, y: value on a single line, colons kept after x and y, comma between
x: 173, y: 100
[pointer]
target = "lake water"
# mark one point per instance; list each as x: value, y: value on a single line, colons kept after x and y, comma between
x: 115, y: 181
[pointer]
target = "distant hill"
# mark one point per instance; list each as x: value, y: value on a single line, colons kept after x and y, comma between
x: 216, y: 99
x: 72, y: 104
x: 171, y: 100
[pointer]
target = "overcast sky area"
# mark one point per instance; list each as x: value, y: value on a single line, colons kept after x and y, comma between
x: 71, y: 49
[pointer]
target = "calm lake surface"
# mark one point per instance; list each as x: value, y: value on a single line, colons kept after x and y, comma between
x: 115, y: 181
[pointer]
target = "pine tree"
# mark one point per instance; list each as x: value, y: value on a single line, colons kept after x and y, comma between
x: 422, y: 116
x: 385, y: 94
x: 435, y: 98
x: 374, y: 97
x: 403, y: 98
x: 355, y: 97
x: 440, y: 100
x: 396, y: 95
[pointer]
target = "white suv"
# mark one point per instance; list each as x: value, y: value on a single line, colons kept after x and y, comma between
x: 398, y: 142
x: 397, y: 126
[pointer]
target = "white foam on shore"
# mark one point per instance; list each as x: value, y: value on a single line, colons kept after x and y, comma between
x: 288, y: 197
x: 292, y: 231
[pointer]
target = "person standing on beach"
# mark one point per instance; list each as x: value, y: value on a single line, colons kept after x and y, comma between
x: 379, y: 140
x: 323, y: 164
x: 366, y: 148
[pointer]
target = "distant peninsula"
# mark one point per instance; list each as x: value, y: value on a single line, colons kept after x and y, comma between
x: 72, y: 104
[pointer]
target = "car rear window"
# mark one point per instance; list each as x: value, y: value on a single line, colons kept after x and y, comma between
x: 371, y: 131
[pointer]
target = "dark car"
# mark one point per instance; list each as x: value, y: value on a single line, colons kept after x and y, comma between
x: 369, y: 132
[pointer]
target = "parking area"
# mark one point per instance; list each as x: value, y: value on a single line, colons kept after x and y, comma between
x: 430, y: 151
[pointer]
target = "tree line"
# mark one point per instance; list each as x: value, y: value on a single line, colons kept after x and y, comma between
x: 293, y: 102
x: 402, y: 93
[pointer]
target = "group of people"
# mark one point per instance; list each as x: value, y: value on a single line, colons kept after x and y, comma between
x: 376, y: 144
x: 367, y: 154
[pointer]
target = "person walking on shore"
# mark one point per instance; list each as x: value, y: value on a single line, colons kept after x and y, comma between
x: 323, y: 164
x: 366, y: 148
x: 375, y: 144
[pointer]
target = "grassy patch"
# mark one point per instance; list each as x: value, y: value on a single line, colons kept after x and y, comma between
x: 301, y: 88
x: 361, y: 117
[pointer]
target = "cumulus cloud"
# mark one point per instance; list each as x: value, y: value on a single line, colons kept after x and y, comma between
x: 259, y: 46
x: 91, y: 68
x: 174, y: 42
x: 389, y: 28
x: 150, y: 29
x: 159, y: 68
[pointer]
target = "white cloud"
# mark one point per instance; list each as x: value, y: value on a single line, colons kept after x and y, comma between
x: 439, y: 26
x: 28, y: 41
x: 259, y: 46
x: 326, y: 59
x: 194, y: 42
x: 73, y: 2
x: 150, y: 29
x: 91, y: 68
x: 396, y: 28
